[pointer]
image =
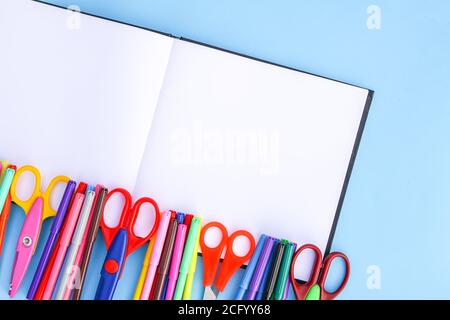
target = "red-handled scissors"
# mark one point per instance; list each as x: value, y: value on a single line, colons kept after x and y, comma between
x: 122, y: 240
x: 314, y: 289
x: 231, y: 262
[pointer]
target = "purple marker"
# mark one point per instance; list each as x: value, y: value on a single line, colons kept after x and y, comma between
x: 260, y: 267
x: 54, y: 231
x: 288, y: 280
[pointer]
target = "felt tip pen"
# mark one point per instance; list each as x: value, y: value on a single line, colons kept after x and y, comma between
x: 6, y: 185
x: 90, y: 240
x: 63, y: 245
x: 188, y: 255
x: 274, y: 270
x: 52, y: 238
x: 156, y: 254
x: 176, y: 260
x: 260, y: 267
x: 144, y: 269
x: 250, y: 268
x: 283, y: 274
x: 163, y: 266
x: 72, y: 280
x: 288, y: 281
x: 48, y: 269
x: 265, y: 277
x: 75, y: 244
x: 6, y: 204
x: 193, y: 266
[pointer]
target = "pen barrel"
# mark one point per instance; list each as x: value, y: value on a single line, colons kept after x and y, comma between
x: 45, y: 257
x: 89, y: 241
x: 159, y: 286
x: 241, y: 293
x: 76, y: 241
x: 64, y: 245
x: 56, y: 226
x: 156, y: 255
x: 4, y: 220
x: 68, y: 269
x: 5, y: 186
x: 283, y: 273
x: 113, y: 266
x: 246, y: 279
x: 188, y: 254
x: 176, y: 260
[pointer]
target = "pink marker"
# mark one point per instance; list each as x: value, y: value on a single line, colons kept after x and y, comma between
x: 176, y: 260
x: 156, y: 254
x: 66, y: 236
x: 80, y: 252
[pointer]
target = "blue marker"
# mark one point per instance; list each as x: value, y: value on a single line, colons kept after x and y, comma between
x: 260, y: 292
x: 251, y: 268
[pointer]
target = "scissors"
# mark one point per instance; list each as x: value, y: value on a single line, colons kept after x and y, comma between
x: 37, y: 208
x: 231, y: 262
x: 121, y: 240
x: 314, y: 289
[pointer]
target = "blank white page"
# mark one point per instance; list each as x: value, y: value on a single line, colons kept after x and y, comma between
x: 77, y: 93
x: 250, y: 144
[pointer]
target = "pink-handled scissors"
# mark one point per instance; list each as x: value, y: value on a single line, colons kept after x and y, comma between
x: 37, y: 209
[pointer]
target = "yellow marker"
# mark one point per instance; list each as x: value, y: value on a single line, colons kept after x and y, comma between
x: 190, y: 278
x: 140, y: 284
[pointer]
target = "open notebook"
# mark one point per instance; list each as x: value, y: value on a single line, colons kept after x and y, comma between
x: 248, y: 143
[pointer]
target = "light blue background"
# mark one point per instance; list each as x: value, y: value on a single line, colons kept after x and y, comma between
x: 397, y: 210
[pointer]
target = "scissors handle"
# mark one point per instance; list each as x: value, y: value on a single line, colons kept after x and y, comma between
x: 211, y: 256
x: 127, y: 220
x: 110, y: 232
x: 48, y: 211
x: 26, y: 204
x: 136, y: 241
x: 301, y: 289
x: 113, y: 266
x: 326, y: 295
x: 232, y: 262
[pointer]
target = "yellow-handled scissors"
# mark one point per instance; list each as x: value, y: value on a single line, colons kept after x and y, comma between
x: 37, y: 208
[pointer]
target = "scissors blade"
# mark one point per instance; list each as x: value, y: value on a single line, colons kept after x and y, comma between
x: 211, y: 293
x: 26, y: 244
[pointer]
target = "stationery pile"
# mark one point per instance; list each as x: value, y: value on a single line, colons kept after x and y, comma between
x: 267, y: 274
x: 170, y: 262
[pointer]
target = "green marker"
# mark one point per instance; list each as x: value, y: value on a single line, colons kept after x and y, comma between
x: 188, y: 253
x: 6, y: 185
x: 283, y: 274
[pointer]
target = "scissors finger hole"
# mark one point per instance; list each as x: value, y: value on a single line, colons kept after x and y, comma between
x: 25, y: 185
x: 113, y: 209
x: 336, y: 275
x: 145, y: 220
x: 241, y: 246
x: 57, y: 194
x: 304, y: 265
x: 213, y: 237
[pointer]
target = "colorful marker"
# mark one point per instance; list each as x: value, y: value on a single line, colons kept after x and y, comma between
x: 262, y: 265
x: 251, y: 268
x: 176, y: 259
x: 156, y: 254
x: 188, y: 254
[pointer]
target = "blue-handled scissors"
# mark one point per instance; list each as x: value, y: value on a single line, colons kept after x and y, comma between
x: 121, y: 240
